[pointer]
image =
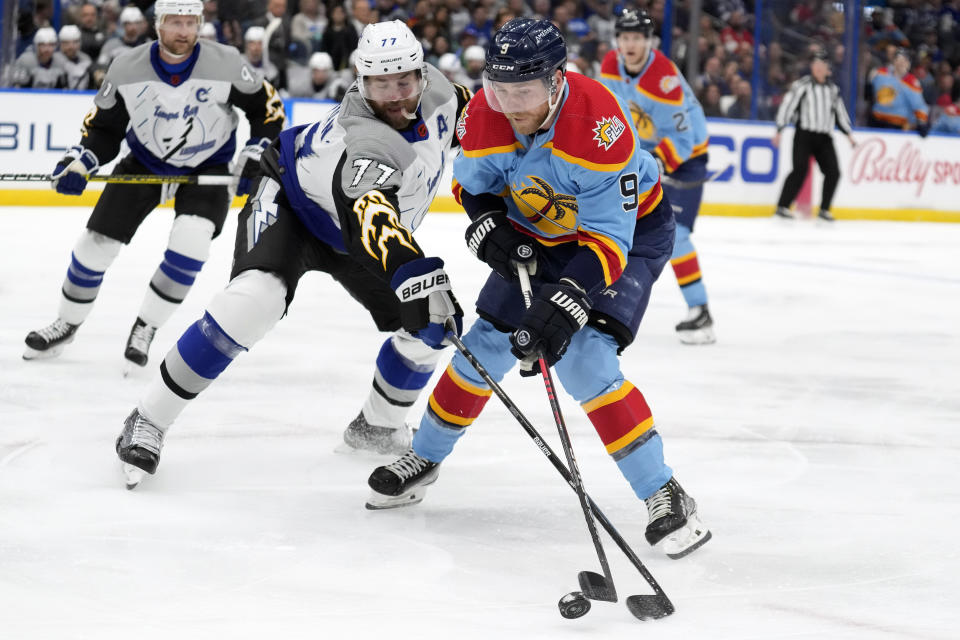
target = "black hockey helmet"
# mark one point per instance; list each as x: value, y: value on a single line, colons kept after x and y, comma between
x: 525, y: 49
x: 636, y: 20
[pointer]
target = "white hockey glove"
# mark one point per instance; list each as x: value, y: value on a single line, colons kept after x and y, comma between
x: 70, y: 175
x: 427, y: 303
x: 248, y: 164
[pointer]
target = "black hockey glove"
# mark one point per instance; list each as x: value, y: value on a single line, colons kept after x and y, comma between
x: 427, y: 304
x: 248, y: 164
x: 558, y: 312
x: 70, y: 174
x: 493, y: 239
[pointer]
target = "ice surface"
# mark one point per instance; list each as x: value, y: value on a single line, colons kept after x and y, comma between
x: 819, y: 435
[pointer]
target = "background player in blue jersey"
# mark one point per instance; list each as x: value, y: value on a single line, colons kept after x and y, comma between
x: 551, y: 177
x: 343, y: 197
x: 671, y: 125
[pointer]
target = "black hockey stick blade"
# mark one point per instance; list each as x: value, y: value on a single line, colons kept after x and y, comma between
x: 595, y: 586
x: 652, y: 607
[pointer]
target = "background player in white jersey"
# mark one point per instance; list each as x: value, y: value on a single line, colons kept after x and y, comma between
x: 341, y: 196
x: 40, y: 68
x: 173, y: 102
x: 75, y: 62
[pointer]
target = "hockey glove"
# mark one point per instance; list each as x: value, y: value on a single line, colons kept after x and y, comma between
x: 427, y: 304
x: 70, y: 174
x: 493, y: 239
x: 248, y: 164
x: 558, y: 312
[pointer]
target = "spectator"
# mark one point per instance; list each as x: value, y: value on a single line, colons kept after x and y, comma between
x: 317, y: 81
x: 740, y: 109
x: 948, y: 121
x: 459, y: 18
x: 519, y: 8
x: 77, y: 65
x: 340, y: 38
x: 253, y: 54
x: 711, y: 101
x: 91, y: 37
x: 361, y: 14
x: 38, y: 69
x: 945, y: 82
x: 277, y: 40
x: 308, y: 25
x: 481, y: 21
x: 211, y: 13
x: 736, y: 33
x: 602, y: 22
x: 449, y: 65
x: 712, y: 74
x: 208, y: 32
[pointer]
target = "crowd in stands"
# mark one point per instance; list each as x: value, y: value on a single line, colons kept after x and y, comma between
x: 304, y: 47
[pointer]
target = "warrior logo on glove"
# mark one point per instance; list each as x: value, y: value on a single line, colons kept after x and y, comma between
x: 379, y: 223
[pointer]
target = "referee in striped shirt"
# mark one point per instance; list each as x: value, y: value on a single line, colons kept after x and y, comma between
x: 814, y: 103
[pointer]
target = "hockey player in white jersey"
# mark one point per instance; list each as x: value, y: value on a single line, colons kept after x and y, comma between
x: 173, y: 102
x: 341, y: 196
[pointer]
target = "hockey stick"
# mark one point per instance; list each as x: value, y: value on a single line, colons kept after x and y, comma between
x: 128, y: 178
x: 644, y: 607
x: 594, y: 586
x: 692, y: 184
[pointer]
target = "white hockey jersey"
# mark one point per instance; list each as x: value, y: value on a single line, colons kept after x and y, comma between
x: 177, y: 118
x: 334, y: 169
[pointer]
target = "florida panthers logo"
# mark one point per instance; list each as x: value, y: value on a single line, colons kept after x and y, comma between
x: 380, y: 223
x: 669, y: 83
x: 608, y: 130
x: 551, y: 212
x: 646, y: 130
x: 886, y: 95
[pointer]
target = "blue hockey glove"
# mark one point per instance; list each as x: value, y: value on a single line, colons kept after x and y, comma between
x: 493, y: 239
x: 248, y: 164
x: 70, y: 174
x: 558, y: 312
x: 427, y: 302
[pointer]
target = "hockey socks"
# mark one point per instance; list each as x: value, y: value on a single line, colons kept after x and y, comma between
x: 404, y: 367
x: 454, y: 404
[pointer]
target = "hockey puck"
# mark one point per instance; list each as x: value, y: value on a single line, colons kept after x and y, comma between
x: 574, y: 605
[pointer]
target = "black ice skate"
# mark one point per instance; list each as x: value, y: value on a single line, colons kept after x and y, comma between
x: 697, y: 328
x: 825, y: 216
x: 138, y: 447
x: 363, y: 436
x: 401, y: 483
x: 49, y: 341
x: 138, y: 344
x: 783, y: 213
x: 673, y: 521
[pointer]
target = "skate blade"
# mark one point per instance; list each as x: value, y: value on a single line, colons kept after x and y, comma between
x: 132, y: 475
x: 686, y: 539
x: 378, y: 501
x: 30, y: 353
x: 698, y: 336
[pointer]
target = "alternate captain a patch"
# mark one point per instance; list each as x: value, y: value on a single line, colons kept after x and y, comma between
x: 608, y: 131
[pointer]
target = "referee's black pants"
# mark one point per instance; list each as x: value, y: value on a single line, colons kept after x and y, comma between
x: 820, y: 146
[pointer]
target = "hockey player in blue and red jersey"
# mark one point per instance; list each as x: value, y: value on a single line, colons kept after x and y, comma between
x: 671, y: 125
x: 343, y: 197
x: 898, y: 97
x: 552, y: 179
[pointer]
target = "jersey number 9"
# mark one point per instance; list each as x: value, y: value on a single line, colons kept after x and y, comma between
x: 629, y: 190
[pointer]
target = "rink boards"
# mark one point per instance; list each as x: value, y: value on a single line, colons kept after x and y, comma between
x: 888, y: 176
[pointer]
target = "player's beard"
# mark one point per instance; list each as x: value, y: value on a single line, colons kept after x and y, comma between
x: 395, y: 113
x: 528, y: 122
x: 179, y: 47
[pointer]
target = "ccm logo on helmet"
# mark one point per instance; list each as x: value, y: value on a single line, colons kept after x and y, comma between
x: 502, y: 67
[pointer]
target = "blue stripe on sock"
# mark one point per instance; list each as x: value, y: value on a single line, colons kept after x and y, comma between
x: 176, y: 274
x: 82, y: 281
x: 399, y: 372
x: 181, y: 261
x: 206, y: 348
x: 82, y: 269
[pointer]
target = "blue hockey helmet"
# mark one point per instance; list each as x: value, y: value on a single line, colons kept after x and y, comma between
x: 525, y: 49
x: 635, y: 20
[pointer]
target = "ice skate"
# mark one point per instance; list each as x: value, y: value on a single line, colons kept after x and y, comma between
x: 783, y: 213
x: 138, y: 447
x: 138, y: 344
x: 401, y: 483
x: 49, y: 341
x: 825, y: 216
x: 673, y: 521
x: 360, y: 435
x: 697, y: 328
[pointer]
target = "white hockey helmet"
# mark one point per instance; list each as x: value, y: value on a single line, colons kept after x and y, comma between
x: 449, y: 62
x: 69, y: 33
x: 130, y: 14
x: 386, y: 48
x: 321, y: 60
x: 45, y: 35
x: 163, y: 8
x: 254, y: 34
